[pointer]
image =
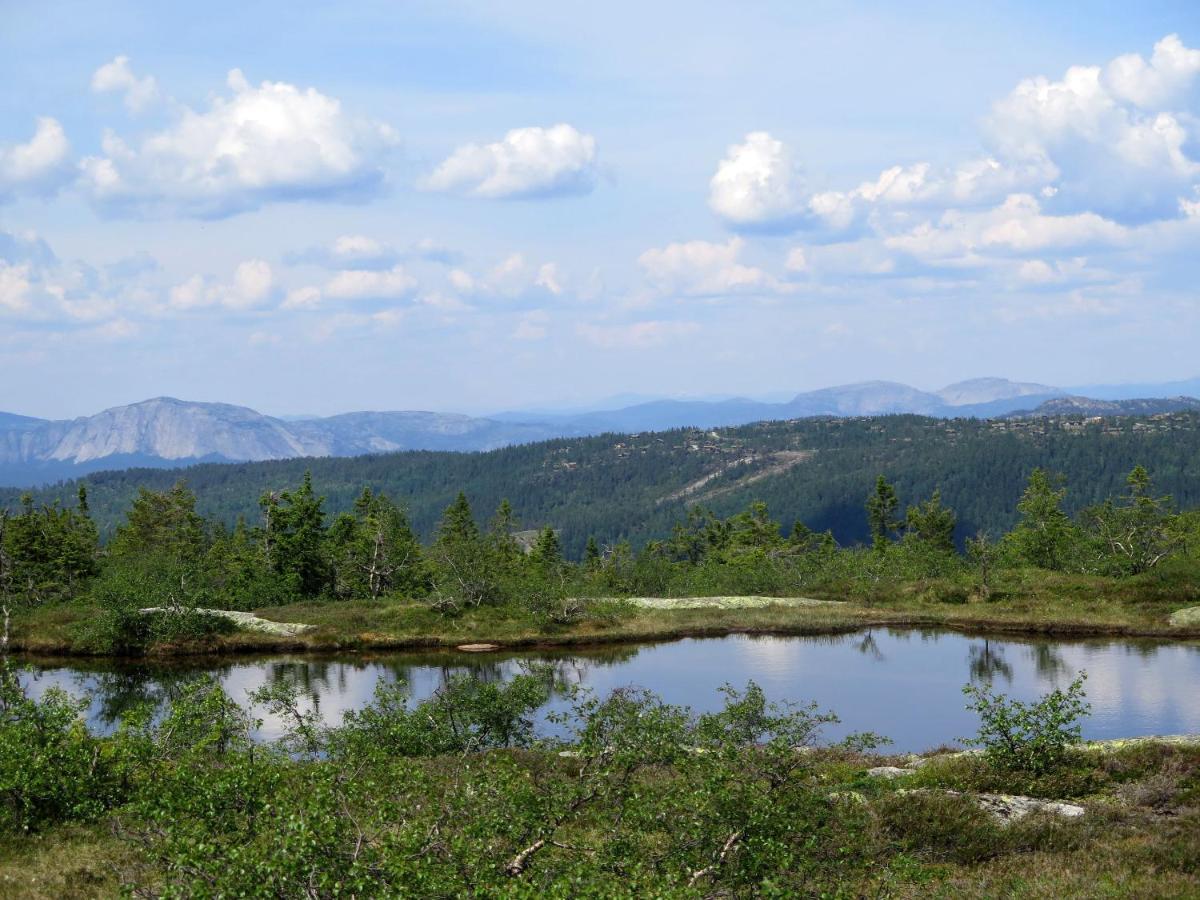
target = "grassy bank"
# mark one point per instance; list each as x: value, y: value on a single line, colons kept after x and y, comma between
x: 1029, y: 603
x: 920, y: 835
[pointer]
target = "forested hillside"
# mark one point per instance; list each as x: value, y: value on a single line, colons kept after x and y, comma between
x: 636, y: 486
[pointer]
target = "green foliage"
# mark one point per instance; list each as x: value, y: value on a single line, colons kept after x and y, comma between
x: 621, y: 487
x: 375, y: 552
x: 881, y: 513
x: 293, y: 536
x: 932, y: 523
x: 51, y: 768
x: 48, y: 552
x: 166, y: 521
x: 1140, y: 530
x: 466, y: 715
x: 1028, y: 737
x: 1045, y: 536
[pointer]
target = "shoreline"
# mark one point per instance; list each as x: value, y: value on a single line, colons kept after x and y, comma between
x: 644, y: 626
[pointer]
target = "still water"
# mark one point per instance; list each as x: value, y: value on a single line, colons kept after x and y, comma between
x: 904, y: 684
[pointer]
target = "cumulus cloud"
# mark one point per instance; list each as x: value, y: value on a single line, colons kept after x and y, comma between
x: 117, y: 76
x: 513, y: 278
x: 252, y: 287
x: 1118, y: 140
x: 703, y: 269
x: 38, y: 166
x: 359, y: 251
x: 15, y: 287
x: 37, y: 287
x: 526, y: 163
x: 271, y: 143
x: 354, y: 284
x: 758, y: 184
x: 1016, y: 227
x: 1112, y: 137
x: 349, y: 251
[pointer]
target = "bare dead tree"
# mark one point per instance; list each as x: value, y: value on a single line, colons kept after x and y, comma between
x: 6, y: 577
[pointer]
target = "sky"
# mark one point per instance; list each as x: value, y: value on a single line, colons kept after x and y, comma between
x: 475, y: 207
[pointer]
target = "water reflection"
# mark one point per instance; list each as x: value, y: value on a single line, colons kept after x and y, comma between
x: 986, y: 661
x: 904, y: 683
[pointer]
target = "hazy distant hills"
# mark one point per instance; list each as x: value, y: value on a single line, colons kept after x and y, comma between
x: 167, y: 432
x: 1087, y: 406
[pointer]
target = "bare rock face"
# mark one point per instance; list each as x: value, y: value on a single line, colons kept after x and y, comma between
x: 170, y: 430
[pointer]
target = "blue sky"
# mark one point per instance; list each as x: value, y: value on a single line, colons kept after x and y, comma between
x: 476, y: 206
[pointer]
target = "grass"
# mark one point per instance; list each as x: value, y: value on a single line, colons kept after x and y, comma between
x: 1024, y: 602
x: 1139, y: 837
x: 70, y: 862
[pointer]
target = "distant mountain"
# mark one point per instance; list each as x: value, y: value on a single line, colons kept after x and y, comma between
x: 624, y: 487
x: 1088, y: 406
x: 13, y: 422
x: 166, y: 431
x: 1189, y: 387
x: 989, y: 390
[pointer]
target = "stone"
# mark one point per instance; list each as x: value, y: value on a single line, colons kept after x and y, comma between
x: 888, y: 772
x: 1010, y: 807
x: 726, y: 602
x: 1006, y: 808
x: 1183, y: 618
x: 246, y: 620
x: 477, y: 648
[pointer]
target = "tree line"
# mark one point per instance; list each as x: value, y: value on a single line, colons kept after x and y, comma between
x: 165, y: 555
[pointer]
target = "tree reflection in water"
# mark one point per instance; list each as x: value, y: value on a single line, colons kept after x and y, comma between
x: 985, y: 662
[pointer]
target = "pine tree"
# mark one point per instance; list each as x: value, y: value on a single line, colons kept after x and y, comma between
x: 296, y: 537
x: 547, y: 553
x: 591, y: 555
x: 932, y: 523
x: 881, y: 513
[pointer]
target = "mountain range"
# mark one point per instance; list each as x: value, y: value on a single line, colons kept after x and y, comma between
x: 168, y: 432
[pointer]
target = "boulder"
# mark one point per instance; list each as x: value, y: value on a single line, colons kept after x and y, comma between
x: 1006, y: 808
x: 1187, y: 617
x: 246, y: 620
x: 888, y: 772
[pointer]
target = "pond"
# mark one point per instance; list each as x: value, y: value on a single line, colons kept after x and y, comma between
x: 905, y: 684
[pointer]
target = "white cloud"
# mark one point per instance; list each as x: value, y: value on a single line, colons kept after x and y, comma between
x: 636, y: 336
x: 363, y: 284
x: 1157, y: 83
x: 1120, y: 141
x: 758, y: 184
x: 1018, y: 226
x: 38, y: 166
x: 308, y: 297
x: 526, y: 163
x: 14, y: 287
x: 703, y: 269
x: 118, y: 76
x: 1110, y: 138
x: 513, y: 278
x: 271, y: 143
x: 252, y: 287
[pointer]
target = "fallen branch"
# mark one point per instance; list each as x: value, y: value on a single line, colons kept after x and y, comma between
x: 715, y: 866
x: 521, y: 860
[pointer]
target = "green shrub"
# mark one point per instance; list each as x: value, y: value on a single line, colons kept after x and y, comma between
x: 51, y: 769
x: 1028, y: 737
